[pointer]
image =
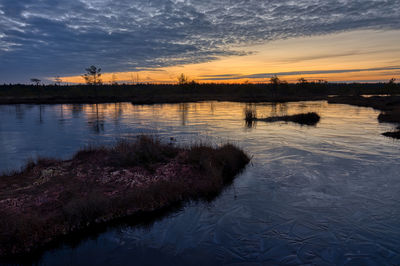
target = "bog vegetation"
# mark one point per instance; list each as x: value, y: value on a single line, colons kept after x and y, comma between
x: 51, y: 198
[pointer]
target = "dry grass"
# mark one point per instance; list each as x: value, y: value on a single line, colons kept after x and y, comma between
x: 51, y: 198
x: 250, y: 115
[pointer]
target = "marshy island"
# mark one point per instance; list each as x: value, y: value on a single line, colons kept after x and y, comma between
x: 52, y: 198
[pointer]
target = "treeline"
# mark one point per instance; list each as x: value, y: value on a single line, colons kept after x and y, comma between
x: 246, y: 89
x: 185, y: 90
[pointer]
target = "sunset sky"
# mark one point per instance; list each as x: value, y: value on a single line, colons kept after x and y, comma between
x: 209, y: 40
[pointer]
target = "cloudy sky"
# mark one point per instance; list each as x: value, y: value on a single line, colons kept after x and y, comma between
x: 209, y: 40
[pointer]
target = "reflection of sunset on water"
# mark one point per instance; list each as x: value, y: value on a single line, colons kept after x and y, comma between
x: 209, y: 116
x: 187, y: 114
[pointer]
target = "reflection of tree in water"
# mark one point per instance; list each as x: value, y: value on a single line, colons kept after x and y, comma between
x: 157, y: 109
x: 61, y: 119
x: 250, y: 110
x: 212, y: 108
x: 76, y: 109
x: 274, y: 109
x: 279, y: 109
x: 136, y: 111
x: 183, y: 109
x: 19, y: 112
x: 118, y: 110
x: 283, y: 108
x: 41, y: 113
x: 96, y: 119
x: 302, y: 107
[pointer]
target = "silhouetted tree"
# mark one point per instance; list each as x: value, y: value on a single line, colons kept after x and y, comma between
x: 321, y: 81
x: 391, y: 86
x: 275, y: 81
x: 36, y: 81
x: 302, y: 81
x: 93, y: 76
x: 284, y: 84
x: 183, y: 79
x: 58, y: 80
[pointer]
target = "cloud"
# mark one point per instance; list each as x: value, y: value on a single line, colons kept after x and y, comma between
x: 296, y: 73
x: 58, y: 37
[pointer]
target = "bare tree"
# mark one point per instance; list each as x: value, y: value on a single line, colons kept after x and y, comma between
x: 92, y: 76
x: 58, y: 80
x: 36, y: 81
x: 302, y: 81
x: 274, y: 80
x: 183, y: 79
x: 278, y: 83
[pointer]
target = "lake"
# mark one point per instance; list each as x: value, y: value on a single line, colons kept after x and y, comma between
x: 324, y: 195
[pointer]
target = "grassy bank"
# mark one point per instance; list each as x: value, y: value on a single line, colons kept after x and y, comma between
x: 51, y: 198
x: 167, y: 93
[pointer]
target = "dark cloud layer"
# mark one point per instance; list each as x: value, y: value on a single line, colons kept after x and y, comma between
x: 296, y: 73
x: 59, y: 37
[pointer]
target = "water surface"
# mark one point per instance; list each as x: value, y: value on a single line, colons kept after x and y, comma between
x: 325, y: 195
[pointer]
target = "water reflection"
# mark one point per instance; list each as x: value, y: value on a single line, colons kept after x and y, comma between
x: 314, y: 195
x: 61, y: 119
x: 96, y: 119
x: 116, y: 120
x: 212, y: 108
x: 41, y: 111
x: 19, y: 112
x: 76, y: 109
x: 183, y: 109
x: 118, y: 111
x: 250, y: 112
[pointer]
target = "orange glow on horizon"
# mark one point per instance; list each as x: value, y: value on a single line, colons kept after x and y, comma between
x: 357, y: 51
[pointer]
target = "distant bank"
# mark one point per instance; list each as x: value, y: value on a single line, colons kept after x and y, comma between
x: 192, y: 92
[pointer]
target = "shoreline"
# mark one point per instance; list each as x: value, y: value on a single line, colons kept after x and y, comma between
x: 389, y: 106
x: 191, y: 92
x: 161, y: 99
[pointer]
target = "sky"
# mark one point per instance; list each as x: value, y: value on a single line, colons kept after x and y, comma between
x: 208, y: 40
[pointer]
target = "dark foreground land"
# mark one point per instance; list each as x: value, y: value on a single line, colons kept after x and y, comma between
x: 192, y: 92
x: 388, y: 105
x: 51, y: 198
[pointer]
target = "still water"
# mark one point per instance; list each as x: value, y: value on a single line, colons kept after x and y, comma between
x: 323, y: 195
